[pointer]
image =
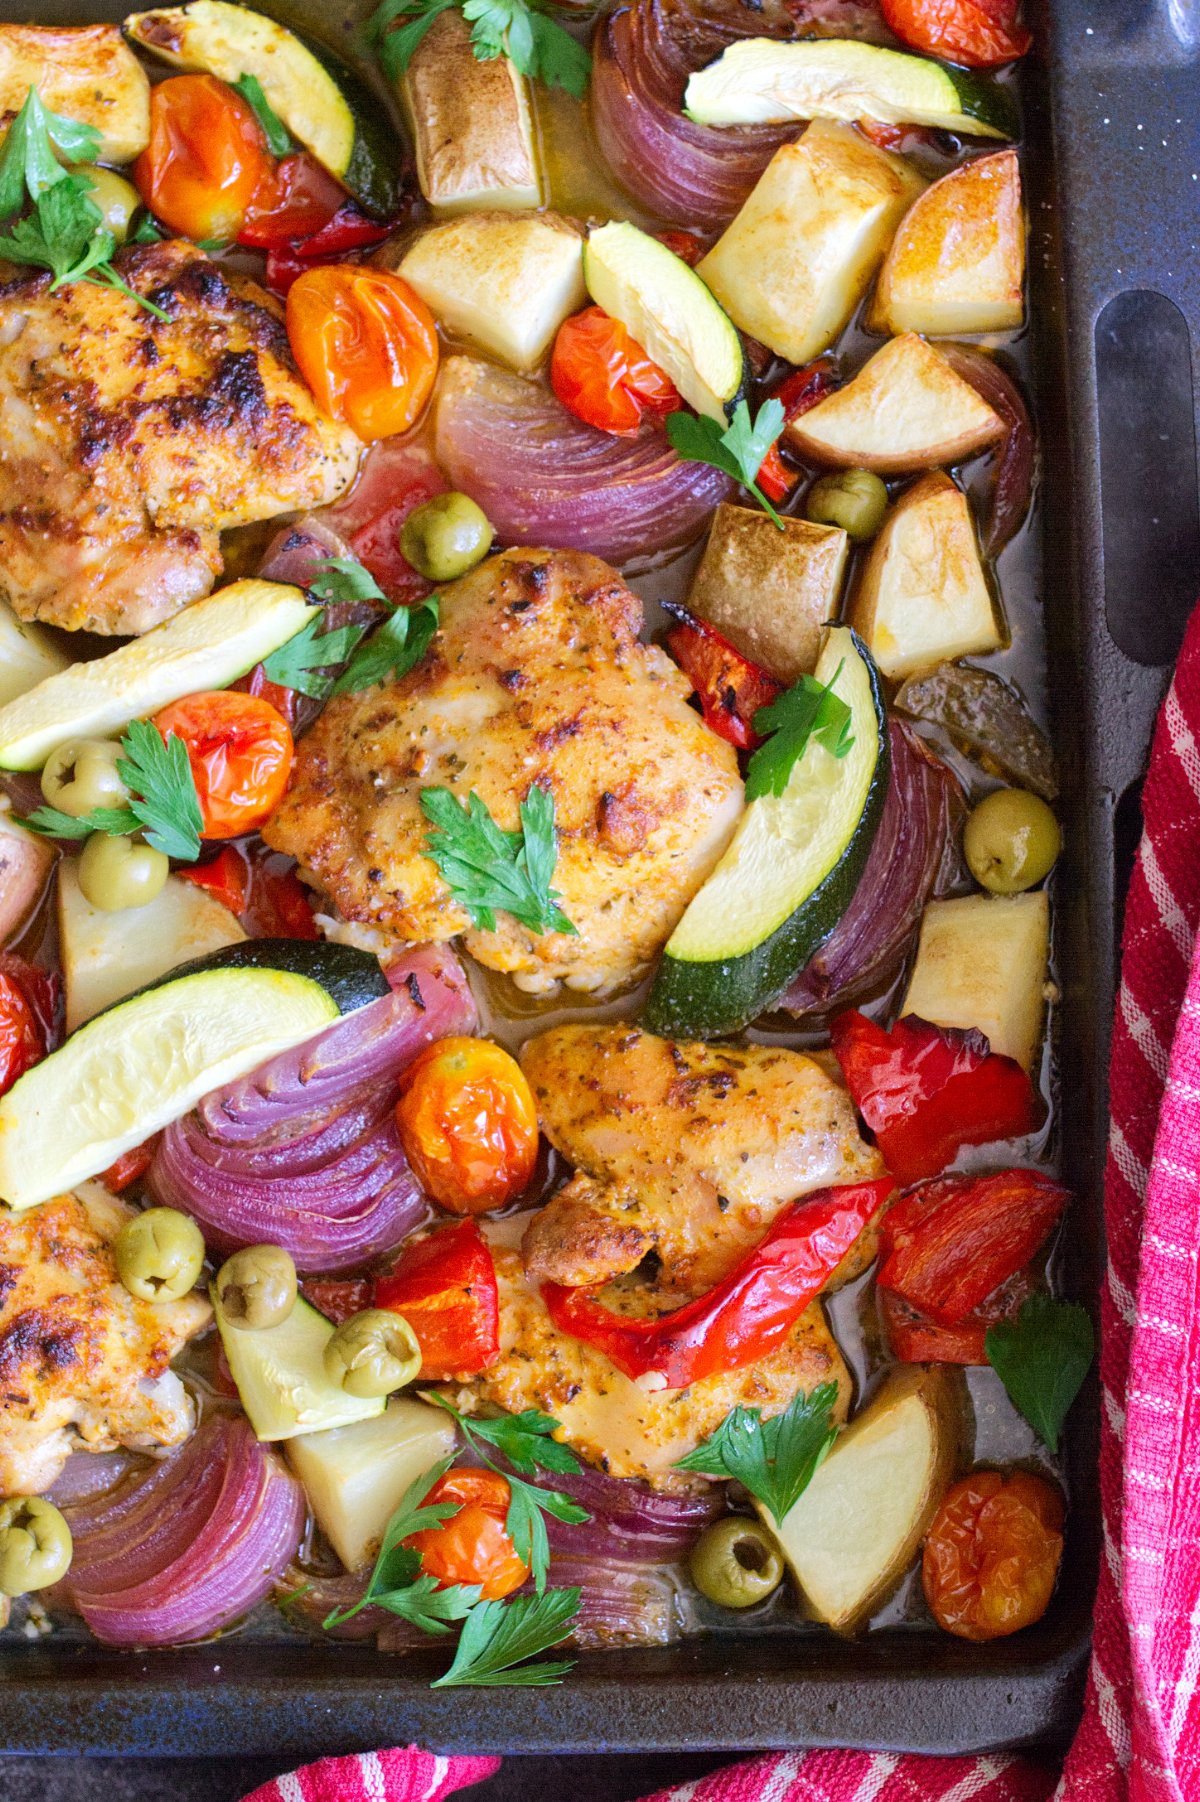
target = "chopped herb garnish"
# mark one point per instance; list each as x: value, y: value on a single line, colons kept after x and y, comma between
x: 305, y: 663
x: 774, y: 1459
x: 807, y: 711
x: 536, y: 45
x: 163, y: 801
x: 279, y: 138
x: 489, y: 869
x: 1042, y: 1357
x: 738, y: 450
x: 394, y: 648
x: 499, y: 1635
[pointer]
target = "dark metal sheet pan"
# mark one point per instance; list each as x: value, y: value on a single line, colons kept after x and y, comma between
x: 1112, y: 104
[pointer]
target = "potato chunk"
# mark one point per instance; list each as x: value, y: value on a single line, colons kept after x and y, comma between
x: 982, y: 962
x: 503, y: 281
x: 770, y: 592
x: 957, y: 263
x: 355, y: 1477
x: 923, y: 597
x: 88, y: 73
x: 798, y: 258
x: 856, y: 1529
x: 27, y: 655
x: 471, y: 124
x: 905, y: 409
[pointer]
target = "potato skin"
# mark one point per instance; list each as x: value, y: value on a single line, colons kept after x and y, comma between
x: 471, y: 123
x: 770, y: 592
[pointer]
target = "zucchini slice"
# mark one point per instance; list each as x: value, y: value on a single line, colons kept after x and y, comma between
x: 280, y: 1376
x: 760, y: 81
x: 324, y: 106
x: 351, y: 978
x: 788, y: 875
x: 666, y: 308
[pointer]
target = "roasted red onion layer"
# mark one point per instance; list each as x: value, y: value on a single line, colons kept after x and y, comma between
x: 631, y: 1523
x: 544, y: 478
x: 304, y: 1151
x: 694, y: 175
x: 912, y: 848
x: 1016, y: 454
x: 185, y: 1549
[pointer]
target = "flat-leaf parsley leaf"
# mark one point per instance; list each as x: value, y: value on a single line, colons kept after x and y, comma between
x: 739, y: 449
x: 1042, y: 1357
x: 808, y: 710
x: 536, y: 45
x: 499, y: 1635
x: 774, y: 1459
x: 489, y: 869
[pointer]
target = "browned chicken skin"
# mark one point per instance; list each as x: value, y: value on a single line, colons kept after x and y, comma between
x: 132, y: 442
x: 687, y: 1150
x: 84, y: 1365
x: 536, y: 675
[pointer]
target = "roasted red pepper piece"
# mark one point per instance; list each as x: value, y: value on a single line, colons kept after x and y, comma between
x: 746, y: 1315
x: 946, y: 1246
x: 728, y: 686
x: 337, y: 1297
x: 916, y: 1339
x: 130, y: 1165
x: 259, y: 886
x: 349, y: 229
x: 978, y: 33
x: 927, y: 1090
x: 445, y: 1287
x: 797, y: 393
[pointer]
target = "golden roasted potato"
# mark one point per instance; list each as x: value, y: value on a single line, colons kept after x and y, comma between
x: 471, y: 124
x: 87, y: 72
x: 770, y: 592
x: 957, y: 263
x: 982, y: 961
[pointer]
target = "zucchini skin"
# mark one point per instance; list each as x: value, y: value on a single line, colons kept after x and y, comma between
x: 351, y: 978
x: 694, y: 1000
x: 371, y: 175
x: 984, y: 101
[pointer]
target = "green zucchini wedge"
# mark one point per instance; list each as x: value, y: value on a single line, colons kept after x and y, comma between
x: 326, y: 108
x: 794, y: 862
x: 761, y: 81
x: 350, y: 977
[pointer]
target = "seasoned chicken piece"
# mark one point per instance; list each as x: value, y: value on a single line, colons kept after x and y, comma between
x: 687, y: 1150
x: 615, y: 1423
x: 131, y: 442
x: 535, y: 677
x: 84, y: 1365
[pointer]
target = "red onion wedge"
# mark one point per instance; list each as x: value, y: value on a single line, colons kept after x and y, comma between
x: 544, y: 478
x: 690, y: 174
x: 304, y: 1151
x: 1016, y: 454
x: 631, y: 1523
x: 186, y: 1549
x: 912, y: 849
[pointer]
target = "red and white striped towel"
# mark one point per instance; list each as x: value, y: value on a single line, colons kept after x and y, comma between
x: 1139, y: 1740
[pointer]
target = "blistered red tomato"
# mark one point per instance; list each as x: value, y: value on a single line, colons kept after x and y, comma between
x: 991, y: 1558
x: 979, y: 33
x: 22, y: 1043
x: 240, y: 750
x: 259, y: 886
x: 472, y: 1546
x: 604, y: 378
x: 366, y: 345
x: 468, y: 1124
x: 206, y: 159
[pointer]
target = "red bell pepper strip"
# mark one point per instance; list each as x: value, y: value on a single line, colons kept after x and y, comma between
x: 445, y: 1287
x: 927, y: 1090
x: 949, y: 1243
x: 977, y: 33
x: 797, y: 393
x: 349, y: 229
x: 916, y: 1339
x: 747, y: 1314
x: 259, y: 886
x: 130, y: 1165
x: 337, y: 1297
x: 729, y: 687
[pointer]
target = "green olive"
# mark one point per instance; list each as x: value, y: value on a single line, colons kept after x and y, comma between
x: 1011, y: 841
x: 159, y: 1254
x: 445, y: 537
x: 736, y: 1563
x: 256, y: 1287
x: 115, y: 873
x: 82, y: 775
x: 117, y: 199
x: 372, y: 1353
x: 35, y: 1545
x: 854, y: 499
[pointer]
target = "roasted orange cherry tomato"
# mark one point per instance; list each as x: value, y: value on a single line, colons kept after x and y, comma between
x: 473, y: 1546
x: 979, y: 33
x: 468, y: 1124
x: 991, y: 1558
x: 206, y: 159
x: 366, y: 345
x: 240, y: 751
x: 604, y: 378
x: 21, y: 1041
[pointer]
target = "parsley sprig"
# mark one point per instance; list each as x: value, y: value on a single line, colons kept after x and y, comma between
x: 397, y: 1582
x: 489, y: 869
x: 738, y: 450
x: 1042, y: 1357
x: 807, y: 711
x: 279, y: 138
x: 163, y: 803
x: 308, y: 660
x: 500, y: 1635
x: 64, y: 231
x: 536, y: 45
x: 774, y: 1459
x: 524, y: 1440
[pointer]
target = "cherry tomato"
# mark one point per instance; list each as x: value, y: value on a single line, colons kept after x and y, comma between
x: 687, y: 246
x: 240, y: 751
x: 979, y: 33
x: 468, y: 1124
x: 129, y: 1166
x: 604, y: 378
x: 295, y: 200
x: 206, y: 159
x: 366, y: 345
x: 22, y: 1043
x: 473, y: 1546
x: 992, y: 1554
